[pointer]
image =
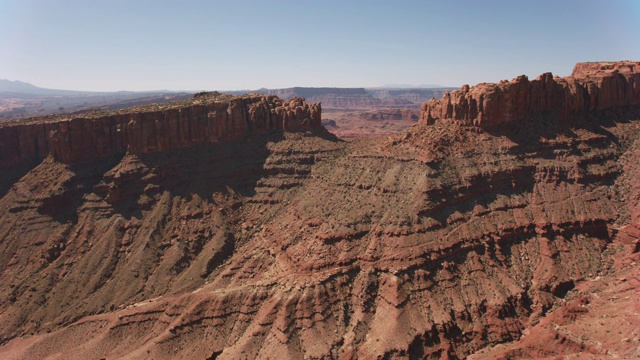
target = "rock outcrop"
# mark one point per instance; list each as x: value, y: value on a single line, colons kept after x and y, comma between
x: 295, y: 245
x: 591, y: 87
x: 205, y: 119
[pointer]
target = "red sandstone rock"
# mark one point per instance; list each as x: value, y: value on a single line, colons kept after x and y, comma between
x: 592, y: 86
x: 94, y: 137
x: 585, y: 69
x: 291, y: 246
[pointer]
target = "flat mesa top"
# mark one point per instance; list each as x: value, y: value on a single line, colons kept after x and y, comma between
x: 203, y: 98
x: 583, y: 69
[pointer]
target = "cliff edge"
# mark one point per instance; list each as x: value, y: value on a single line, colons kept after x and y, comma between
x: 207, y: 118
x: 592, y: 86
x: 440, y: 242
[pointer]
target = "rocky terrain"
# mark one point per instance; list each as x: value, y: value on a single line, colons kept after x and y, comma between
x: 208, y: 118
x: 591, y: 87
x: 363, y: 112
x: 378, y: 122
x: 504, y: 224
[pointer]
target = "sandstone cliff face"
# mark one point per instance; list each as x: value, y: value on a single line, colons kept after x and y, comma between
x: 589, y: 69
x: 301, y: 246
x: 203, y: 120
x: 288, y: 245
x: 592, y: 86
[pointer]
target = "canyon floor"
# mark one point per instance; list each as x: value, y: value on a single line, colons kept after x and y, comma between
x: 365, y: 122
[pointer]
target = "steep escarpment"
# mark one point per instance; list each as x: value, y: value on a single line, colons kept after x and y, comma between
x: 92, y: 237
x: 390, y: 114
x: 208, y: 118
x: 598, y: 68
x: 410, y: 96
x: 591, y: 87
x: 438, y: 242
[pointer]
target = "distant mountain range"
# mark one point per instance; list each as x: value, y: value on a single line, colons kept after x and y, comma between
x: 26, y: 88
x: 8, y: 85
x: 20, y: 99
x: 17, y: 86
x: 21, y: 87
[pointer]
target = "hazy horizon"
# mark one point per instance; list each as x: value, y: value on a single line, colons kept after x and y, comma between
x: 22, y: 86
x: 239, y: 45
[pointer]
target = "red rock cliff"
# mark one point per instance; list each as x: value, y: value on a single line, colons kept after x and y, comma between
x: 591, y: 86
x: 205, y: 119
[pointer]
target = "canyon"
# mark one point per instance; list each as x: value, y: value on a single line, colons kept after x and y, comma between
x: 357, y: 98
x: 504, y: 223
x: 363, y: 112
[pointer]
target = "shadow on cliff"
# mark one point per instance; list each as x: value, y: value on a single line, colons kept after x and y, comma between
x: 10, y: 176
x: 63, y: 204
x: 533, y: 133
x: 202, y: 170
x: 544, y: 136
x: 484, y: 191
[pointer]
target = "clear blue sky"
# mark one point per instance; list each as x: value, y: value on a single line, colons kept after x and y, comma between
x: 197, y: 45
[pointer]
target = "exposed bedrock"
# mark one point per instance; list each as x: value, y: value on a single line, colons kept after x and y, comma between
x: 591, y: 87
x: 203, y: 120
x: 301, y: 246
x: 434, y: 243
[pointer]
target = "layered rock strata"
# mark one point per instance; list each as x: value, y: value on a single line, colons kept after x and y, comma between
x: 390, y: 114
x: 591, y: 87
x: 302, y: 246
x: 205, y: 119
x: 296, y: 245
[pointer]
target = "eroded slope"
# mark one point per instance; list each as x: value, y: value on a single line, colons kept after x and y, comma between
x: 438, y: 242
x: 420, y: 244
